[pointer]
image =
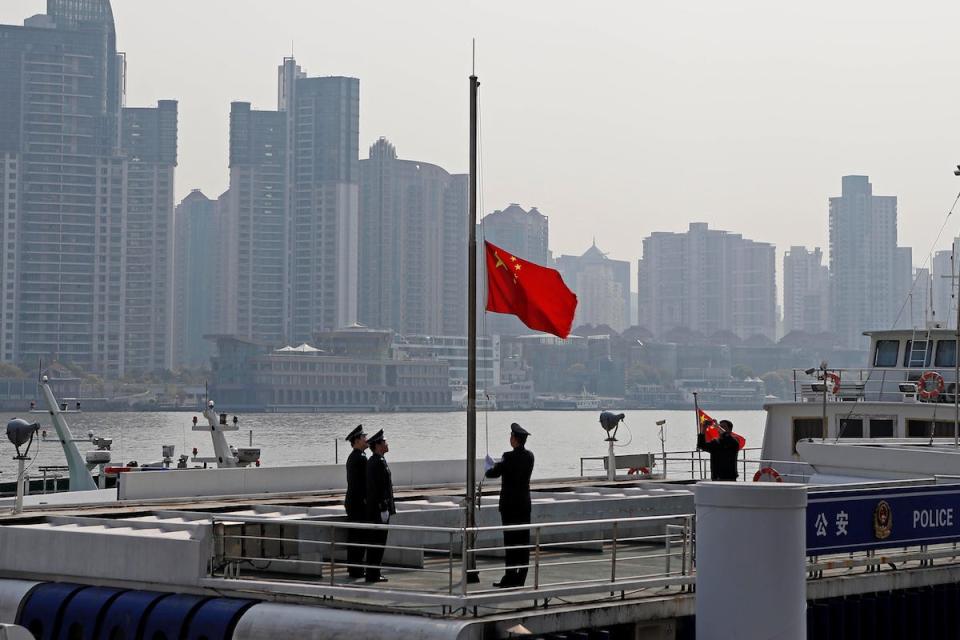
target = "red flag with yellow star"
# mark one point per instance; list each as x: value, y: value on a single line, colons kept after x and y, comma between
x: 537, y: 295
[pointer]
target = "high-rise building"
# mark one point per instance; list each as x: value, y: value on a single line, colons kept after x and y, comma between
x: 707, y: 280
x: 258, y: 225
x: 149, y: 145
x: 806, y: 291
x: 864, y: 282
x: 522, y: 233
x: 602, y: 286
x: 322, y: 126
x: 293, y: 206
x: 197, y: 274
x: 413, y: 226
x: 73, y: 173
x: 943, y: 285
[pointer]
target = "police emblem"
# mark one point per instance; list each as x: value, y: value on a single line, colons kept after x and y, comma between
x: 882, y: 520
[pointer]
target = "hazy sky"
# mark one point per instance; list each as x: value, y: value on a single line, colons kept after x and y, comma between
x: 616, y: 119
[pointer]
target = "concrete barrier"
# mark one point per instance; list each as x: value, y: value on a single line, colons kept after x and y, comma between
x: 179, y: 483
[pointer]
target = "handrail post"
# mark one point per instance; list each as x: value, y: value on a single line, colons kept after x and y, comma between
x: 463, y: 562
x: 536, y: 559
x: 333, y: 550
x: 667, y: 547
x: 613, y: 553
x: 450, y: 565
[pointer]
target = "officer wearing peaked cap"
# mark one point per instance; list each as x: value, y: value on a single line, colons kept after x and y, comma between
x: 379, y: 503
x: 515, y: 468
x: 355, y: 501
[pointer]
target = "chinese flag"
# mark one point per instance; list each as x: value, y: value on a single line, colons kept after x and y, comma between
x: 537, y: 295
x: 712, y: 432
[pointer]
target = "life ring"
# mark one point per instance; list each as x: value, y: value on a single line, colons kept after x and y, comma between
x: 644, y: 471
x: 835, y: 379
x: 767, y: 472
x: 924, y: 391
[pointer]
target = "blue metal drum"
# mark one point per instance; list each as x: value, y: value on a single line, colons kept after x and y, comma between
x: 43, y: 610
x: 83, y: 613
x: 168, y: 618
x: 127, y: 614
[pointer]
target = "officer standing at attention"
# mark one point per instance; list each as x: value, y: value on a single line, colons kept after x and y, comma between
x: 355, y: 501
x: 379, y: 504
x: 515, y: 467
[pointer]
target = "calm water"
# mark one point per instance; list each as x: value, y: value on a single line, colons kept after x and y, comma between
x: 559, y: 438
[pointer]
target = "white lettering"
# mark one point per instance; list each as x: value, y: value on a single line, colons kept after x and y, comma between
x: 821, y: 525
x: 932, y: 518
x: 842, y: 521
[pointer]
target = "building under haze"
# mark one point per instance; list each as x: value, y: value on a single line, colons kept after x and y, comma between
x: 72, y: 172
x: 602, y: 286
x: 149, y: 145
x: 197, y: 276
x: 293, y: 208
x: 866, y: 269
x: 522, y: 233
x: 943, y: 286
x: 707, y: 280
x: 412, y: 241
x: 806, y: 291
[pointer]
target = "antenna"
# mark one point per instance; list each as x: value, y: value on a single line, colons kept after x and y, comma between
x: 473, y: 57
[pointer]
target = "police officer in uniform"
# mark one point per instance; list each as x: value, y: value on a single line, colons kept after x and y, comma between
x: 355, y: 501
x: 379, y: 503
x: 722, y: 450
x: 514, y: 468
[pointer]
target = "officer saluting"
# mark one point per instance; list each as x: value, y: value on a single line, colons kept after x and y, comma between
x: 515, y: 467
x: 379, y: 503
x: 355, y: 501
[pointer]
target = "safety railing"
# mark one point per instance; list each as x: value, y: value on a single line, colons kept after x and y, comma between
x: 694, y: 465
x: 878, y: 384
x: 879, y: 560
x: 436, y: 565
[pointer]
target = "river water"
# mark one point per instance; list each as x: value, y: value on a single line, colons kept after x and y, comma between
x: 559, y: 438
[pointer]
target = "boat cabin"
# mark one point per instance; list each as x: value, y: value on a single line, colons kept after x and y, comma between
x: 906, y: 394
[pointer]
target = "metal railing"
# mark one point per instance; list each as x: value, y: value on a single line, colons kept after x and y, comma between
x: 694, y: 465
x: 429, y: 565
x: 877, y: 384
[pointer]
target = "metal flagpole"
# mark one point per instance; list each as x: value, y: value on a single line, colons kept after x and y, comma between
x: 471, y: 485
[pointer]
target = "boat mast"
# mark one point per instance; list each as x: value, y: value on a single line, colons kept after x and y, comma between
x: 955, y: 285
x: 471, y: 488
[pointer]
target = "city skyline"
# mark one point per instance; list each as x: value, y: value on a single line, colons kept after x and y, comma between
x: 793, y: 116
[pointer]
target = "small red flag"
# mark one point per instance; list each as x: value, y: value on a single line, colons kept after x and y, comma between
x: 712, y: 432
x: 537, y: 295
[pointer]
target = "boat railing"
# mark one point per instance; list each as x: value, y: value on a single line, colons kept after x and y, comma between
x: 694, y: 465
x: 434, y: 566
x: 877, y: 384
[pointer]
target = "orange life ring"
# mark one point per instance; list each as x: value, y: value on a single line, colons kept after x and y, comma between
x: 638, y: 470
x: 767, y: 471
x: 924, y: 391
x: 836, y: 382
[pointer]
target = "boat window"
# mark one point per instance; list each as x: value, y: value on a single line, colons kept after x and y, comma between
x: 886, y: 354
x: 851, y: 427
x: 807, y: 428
x: 881, y: 428
x: 946, y: 353
x: 917, y: 353
x: 921, y: 429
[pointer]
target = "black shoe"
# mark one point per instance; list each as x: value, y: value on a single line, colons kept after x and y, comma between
x: 356, y: 574
x: 376, y: 579
x: 504, y: 584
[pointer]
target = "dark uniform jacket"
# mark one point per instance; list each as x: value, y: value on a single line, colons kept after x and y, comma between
x: 379, y: 487
x: 723, y: 455
x: 515, y: 468
x: 356, y: 498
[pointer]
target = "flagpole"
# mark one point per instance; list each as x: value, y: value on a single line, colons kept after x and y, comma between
x: 471, y: 484
x: 696, y: 414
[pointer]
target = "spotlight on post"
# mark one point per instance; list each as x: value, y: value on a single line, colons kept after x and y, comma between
x: 611, y: 422
x: 20, y: 432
